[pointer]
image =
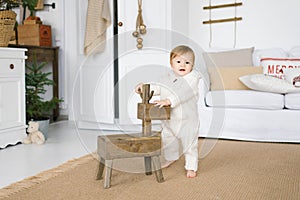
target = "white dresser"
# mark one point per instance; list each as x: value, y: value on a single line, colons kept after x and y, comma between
x: 12, y: 96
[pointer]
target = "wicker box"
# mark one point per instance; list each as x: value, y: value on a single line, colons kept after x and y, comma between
x: 7, y: 24
x: 34, y: 34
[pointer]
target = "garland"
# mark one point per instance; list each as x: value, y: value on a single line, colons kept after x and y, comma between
x: 140, y: 27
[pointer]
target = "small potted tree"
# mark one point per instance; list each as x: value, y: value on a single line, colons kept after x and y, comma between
x: 37, y: 108
x: 31, y: 5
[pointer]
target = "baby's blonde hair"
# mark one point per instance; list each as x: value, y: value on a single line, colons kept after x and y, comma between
x: 180, y: 50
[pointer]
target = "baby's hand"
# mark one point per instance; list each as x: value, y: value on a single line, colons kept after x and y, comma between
x: 162, y: 103
x: 138, y: 88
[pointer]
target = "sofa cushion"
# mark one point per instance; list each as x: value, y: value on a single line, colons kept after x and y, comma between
x: 232, y: 58
x: 275, y: 66
x: 294, y: 52
x: 227, y: 78
x: 292, y: 101
x: 244, y: 99
x: 266, y: 83
x: 258, y: 54
x: 292, y: 76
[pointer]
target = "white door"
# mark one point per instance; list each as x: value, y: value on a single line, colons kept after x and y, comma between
x: 92, y: 89
x: 140, y: 65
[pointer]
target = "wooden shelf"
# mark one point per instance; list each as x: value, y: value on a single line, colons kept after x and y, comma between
x: 45, y: 54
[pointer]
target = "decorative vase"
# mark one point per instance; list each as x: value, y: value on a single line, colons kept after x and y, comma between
x: 7, y: 24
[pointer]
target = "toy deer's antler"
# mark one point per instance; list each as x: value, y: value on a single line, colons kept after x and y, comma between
x: 146, y: 95
x: 151, y: 94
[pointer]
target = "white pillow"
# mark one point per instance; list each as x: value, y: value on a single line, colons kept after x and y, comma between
x: 267, y: 53
x: 292, y: 76
x: 295, y: 52
x: 266, y: 83
x: 275, y: 66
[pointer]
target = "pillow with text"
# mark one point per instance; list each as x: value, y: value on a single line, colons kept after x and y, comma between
x: 275, y: 66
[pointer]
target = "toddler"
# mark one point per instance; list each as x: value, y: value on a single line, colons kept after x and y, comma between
x: 179, y: 89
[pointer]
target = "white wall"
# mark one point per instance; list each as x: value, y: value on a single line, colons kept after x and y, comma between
x: 265, y: 24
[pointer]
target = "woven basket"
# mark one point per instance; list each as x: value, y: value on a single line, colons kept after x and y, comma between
x: 7, y: 24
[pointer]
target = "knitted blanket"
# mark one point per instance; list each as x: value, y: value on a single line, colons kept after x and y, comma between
x: 97, y: 21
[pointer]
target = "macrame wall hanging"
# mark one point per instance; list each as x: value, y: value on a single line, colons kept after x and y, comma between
x: 140, y: 27
x: 234, y: 19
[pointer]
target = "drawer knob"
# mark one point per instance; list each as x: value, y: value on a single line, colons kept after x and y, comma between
x: 11, y: 66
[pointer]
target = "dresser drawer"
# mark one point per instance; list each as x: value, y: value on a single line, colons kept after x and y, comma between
x: 10, y: 67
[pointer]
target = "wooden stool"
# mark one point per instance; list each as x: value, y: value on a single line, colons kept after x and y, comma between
x: 146, y: 144
x: 112, y: 147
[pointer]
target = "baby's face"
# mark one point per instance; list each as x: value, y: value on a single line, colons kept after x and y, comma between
x: 182, y: 64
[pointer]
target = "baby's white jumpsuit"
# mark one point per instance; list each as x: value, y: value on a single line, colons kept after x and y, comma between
x: 183, y: 126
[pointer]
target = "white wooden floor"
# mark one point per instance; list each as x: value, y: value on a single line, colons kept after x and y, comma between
x: 64, y: 143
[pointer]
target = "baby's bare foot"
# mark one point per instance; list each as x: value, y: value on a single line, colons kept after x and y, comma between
x: 168, y: 163
x: 191, y: 174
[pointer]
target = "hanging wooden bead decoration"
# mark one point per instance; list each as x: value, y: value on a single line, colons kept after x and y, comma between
x: 140, y: 27
x: 139, y: 42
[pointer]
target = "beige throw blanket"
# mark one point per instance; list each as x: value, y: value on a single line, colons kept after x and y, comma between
x: 97, y: 21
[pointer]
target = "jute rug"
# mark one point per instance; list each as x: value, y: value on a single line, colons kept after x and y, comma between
x: 233, y: 170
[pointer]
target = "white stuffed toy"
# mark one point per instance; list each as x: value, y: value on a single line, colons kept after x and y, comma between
x: 35, y: 136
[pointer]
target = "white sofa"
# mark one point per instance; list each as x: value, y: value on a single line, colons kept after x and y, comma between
x: 248, y: 114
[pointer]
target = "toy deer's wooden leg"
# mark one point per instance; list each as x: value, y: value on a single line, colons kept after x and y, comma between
x: 148, y: 168
x: 147, y: 132
x: 157, y: 169
x: 100, y: 169
x: 108, y: 171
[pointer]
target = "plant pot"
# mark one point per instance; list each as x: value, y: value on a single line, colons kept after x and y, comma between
x: 7, y: 24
